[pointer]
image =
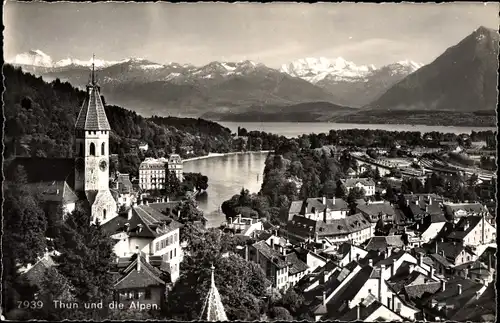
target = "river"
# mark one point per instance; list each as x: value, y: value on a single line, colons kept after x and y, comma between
x: 294, y: 129
x: 227, y: 175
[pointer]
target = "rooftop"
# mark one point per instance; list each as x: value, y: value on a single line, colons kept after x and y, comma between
x: 92, y: 115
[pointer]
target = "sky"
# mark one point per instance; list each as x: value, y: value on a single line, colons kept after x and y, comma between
x: 273, y: 34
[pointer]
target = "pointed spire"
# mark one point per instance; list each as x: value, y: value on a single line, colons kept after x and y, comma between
x: 213, y: 309
x: 93, y: 69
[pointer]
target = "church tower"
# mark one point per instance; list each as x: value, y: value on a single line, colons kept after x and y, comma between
x: 92, y: 154
x: 213, y: 309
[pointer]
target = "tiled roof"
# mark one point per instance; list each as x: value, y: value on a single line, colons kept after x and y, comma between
x: 380, y: 243
x: 175, y: 159
x: 296, y: 207
x: 271, y: 254
x: 306, y: 227
x: 295, y: 265
x: 148, y: 275
x: 464, y: 226
x: 54, y: 191
x: 441, y: 260
x: 468, y: 207
x: 316, y: 204
x: 417, y: 291
x: 92, y: 115
x: 451, y: 249
x: 485, y: 305
x: 36, y: 273
x: 351, y: 182
x: 374, y: 209
x: 450, y: 295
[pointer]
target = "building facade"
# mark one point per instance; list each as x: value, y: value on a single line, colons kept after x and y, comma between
x: 153, y: 172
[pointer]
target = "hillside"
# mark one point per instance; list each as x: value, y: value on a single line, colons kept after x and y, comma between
x: 463, y: 79
x: 304, y: 112
x: 40, y: 120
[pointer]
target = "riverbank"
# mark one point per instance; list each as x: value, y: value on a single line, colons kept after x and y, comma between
x: 210, y: 155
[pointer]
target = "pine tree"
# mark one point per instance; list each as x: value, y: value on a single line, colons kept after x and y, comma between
x: 86, y: 257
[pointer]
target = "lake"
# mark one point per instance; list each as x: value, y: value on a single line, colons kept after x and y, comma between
x: 294, y: 129
x: 227, y: 175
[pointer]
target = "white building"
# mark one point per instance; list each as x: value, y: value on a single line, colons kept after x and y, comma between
x: 146, y: 230
x: 365, y: 183
x: 152, y: 172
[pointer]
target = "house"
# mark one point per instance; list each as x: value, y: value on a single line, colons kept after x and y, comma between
x: 350, y: 172
x: 365, y: 183
x: 272, y: 262
x: 296, y: 268
x: 475, y: 270
x: 353, y: 228
x: 482, y: 309
x: 373, y: 211
x: 418, y: 206
x: 452, y: 297
x: 124, y: 190
x: 382, y: 243
x: 145, y: 229
x: 454, y: 252
x: 371, y: 310
x: 141, y: 278
x: 430, y: 226
x: 56, y: 194
x: 310, y: 258
x: 473, y: 231
x: 319, y: 209
x: 454, y: 211
x: 347, y: 253
x: 143, y: 146
x: 35, y: 273
x: 244, y: 226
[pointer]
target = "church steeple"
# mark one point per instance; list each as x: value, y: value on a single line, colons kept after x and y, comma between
x: 213, y: 309
x: 92, y: 115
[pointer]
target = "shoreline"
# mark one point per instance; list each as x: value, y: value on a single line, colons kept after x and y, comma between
x: 210, y: 155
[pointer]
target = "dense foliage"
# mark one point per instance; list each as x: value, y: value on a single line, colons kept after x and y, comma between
x: 40, y: 119
x: 241, y: 284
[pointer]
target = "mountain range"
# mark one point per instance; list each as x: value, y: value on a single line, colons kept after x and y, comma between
x: 463, y: 79
x: 221, y: 87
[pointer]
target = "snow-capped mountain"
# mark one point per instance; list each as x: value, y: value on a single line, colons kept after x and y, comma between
x: 315, y: 69
x: 353, y: 85
x: 34, y: 58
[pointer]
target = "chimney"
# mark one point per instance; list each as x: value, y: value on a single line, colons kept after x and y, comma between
x: 411, y: 267
x: 129, y: 214
x: 57, y: 192
x: 178, y: 213
x: 146, y: 202
x: 381, y: 288
x: 443, y: 285
x: 324, y: 298
x: 168, y: 199
x: 324, y: 200
x: 147, y: 257
x: 430, y: 200
x: 333, y: 200
x: 459, y: 289
x: 393, y: 268
x: 426, y: 209
x: 246, y: 252
x: 436, y: 251
x: 431, y: 272
x: 389, y: 252
x: 358, y: 314
x: 442, y: 253
x: 370, y: 262
x: 466, y: 273
x: 138, y: 257
x: 420, y: 259
x: 272, y: 242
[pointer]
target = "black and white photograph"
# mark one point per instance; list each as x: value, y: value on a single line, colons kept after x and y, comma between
x: 246, y: 161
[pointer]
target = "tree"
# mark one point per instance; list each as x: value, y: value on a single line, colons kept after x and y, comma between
x: 86, y: 257
x: 279, y: 314
x: 341, y: 190
x: 172, y: 184
x: 356, y: 193
x: 241, y: 284
x: 292, y: 301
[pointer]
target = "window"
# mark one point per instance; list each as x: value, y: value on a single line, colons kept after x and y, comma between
x: 157, y: 246
x: 103, y: 150
x: 104, y: 214
x: 92, y: 149
x: 147, y: 295
x: 175, y: 252
x: 171, y: 254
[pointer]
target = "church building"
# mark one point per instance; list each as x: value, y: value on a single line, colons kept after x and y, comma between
x: 84, y: 178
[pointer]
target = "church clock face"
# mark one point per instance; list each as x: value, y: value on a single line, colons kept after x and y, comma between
x: 79, y: 164
x: 103, y: 165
